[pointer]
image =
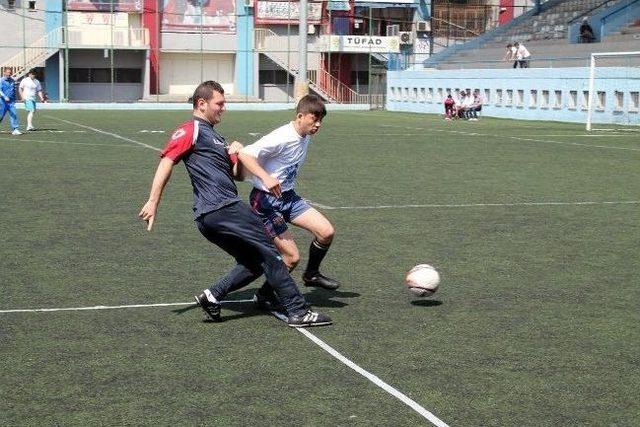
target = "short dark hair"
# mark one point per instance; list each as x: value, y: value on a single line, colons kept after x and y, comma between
x: 32, y: 71
x: 205, y: 91
x: 311, y: 104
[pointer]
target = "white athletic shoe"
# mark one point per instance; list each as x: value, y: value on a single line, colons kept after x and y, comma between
x: 16, y: 132
x: 30, y: 128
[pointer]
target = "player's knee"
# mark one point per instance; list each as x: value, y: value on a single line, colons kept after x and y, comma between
x: 325, y: 235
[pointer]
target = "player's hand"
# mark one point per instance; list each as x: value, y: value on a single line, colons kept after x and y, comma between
x: 148, y: 213
x: 273, y: 185
x: 234, y: 147
x: 6, y: 98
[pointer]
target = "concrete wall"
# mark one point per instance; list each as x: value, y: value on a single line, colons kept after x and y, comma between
x: 557, y: 94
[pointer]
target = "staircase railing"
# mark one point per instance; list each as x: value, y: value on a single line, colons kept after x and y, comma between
x: 335, y: 89
x: 34, y: 54
x: 320, y: 80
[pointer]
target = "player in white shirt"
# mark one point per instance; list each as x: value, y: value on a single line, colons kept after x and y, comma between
x: 29, y: 88
x: 522, y: 55
x: 280, y: 154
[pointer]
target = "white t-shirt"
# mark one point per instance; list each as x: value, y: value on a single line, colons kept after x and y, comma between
x: 29, y: 88
x: 522, y: 52
x: 281, y: 153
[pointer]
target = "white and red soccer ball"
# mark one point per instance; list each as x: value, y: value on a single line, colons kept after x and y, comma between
x: 423, y: 280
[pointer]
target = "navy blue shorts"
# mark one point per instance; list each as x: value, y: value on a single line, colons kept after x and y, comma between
x: 276, y: 212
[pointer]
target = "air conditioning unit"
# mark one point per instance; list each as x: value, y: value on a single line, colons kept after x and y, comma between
x: 248, y: 3
x: 311, y: 29
x: 393, y: 30
x: 423, y: 26
x: 406, y: 37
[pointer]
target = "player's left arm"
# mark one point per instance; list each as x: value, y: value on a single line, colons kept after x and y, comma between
x: 251, y: 164
x: 39, y: 91
x: 238, y: 170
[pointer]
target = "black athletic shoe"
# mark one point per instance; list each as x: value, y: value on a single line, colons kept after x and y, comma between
x: 321, y: 281
x: 267, y: 303
x: 310, y: 318
x: 211, y: 309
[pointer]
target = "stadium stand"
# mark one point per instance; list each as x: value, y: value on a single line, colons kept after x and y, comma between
x: 547, y: 36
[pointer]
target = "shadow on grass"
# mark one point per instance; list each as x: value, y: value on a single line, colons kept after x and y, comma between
x: 426, y: 303
x: 317, y: 297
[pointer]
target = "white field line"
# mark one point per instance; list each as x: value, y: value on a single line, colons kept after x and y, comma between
x: 115, y: 135
x: 371, y: 377
x: 14, y: 139
x: 479, y: 205
x: 545, y: 141
x: 112, y: 307
x: 374, y: 379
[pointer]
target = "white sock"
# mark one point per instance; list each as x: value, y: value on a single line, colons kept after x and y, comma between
x: 209, y: 296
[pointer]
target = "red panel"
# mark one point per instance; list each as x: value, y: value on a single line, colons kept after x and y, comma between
x: 151, y: 21
x: 506, y: 11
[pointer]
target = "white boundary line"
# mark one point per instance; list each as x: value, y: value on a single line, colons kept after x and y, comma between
x: 115, y: 135
x: 326, y: 347
x: 546, y: 141
x: 478, y: 205
x: 112, y: 307
x: 377, y: 381
x: 374, y: 379
x: 17, y: 141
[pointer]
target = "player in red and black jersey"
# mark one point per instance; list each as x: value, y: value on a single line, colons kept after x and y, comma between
x: 219, y: 213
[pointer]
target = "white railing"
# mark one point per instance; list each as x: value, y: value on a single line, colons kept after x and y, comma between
x: 34, y: 54
x: 107, y: 37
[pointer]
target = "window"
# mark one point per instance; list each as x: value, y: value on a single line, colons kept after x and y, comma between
x: 128, y: 75
x: 557, y: 99
x: 573, y: 99
x: 103, y: 75
x: 618, y: 98
x: 274, y: 77
x: 601, y: 101
x: 545, y: 99
x: 509, y: 100
x: 520, y: 98
x: 499, y: 97
x: 634, y: 101
x: 533, y: 99
x: 487, y: 96
x: 585, y: 100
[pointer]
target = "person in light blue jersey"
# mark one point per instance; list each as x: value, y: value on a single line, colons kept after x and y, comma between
x: 8, y: 100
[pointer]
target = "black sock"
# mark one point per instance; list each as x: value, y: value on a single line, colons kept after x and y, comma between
x: 317, y: 251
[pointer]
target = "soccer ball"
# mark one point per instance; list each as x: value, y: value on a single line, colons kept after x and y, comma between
x: 423, y: 280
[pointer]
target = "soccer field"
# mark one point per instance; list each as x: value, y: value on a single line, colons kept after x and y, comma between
x: 534, y: 227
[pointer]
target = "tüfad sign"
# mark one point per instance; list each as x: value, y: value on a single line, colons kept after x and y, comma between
x: 364, y: 44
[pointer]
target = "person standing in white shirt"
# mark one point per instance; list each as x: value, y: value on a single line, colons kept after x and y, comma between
x: 281, y: 153
x: 29, y: 88
x: 522, y: 56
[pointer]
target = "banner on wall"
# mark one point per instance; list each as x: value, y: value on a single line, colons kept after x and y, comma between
x: 82, y: 19
x: 364, y: 44
x: 106, y: 5
x: 190, y: 16
x: 285, y: 12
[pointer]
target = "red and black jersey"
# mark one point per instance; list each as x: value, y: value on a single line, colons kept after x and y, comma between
x: 204, y: 153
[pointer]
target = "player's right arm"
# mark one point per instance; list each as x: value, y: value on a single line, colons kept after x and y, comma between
x: 179, y: 145
x: 163, y: 173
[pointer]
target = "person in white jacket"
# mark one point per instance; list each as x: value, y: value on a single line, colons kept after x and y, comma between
x: 522, y: 56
